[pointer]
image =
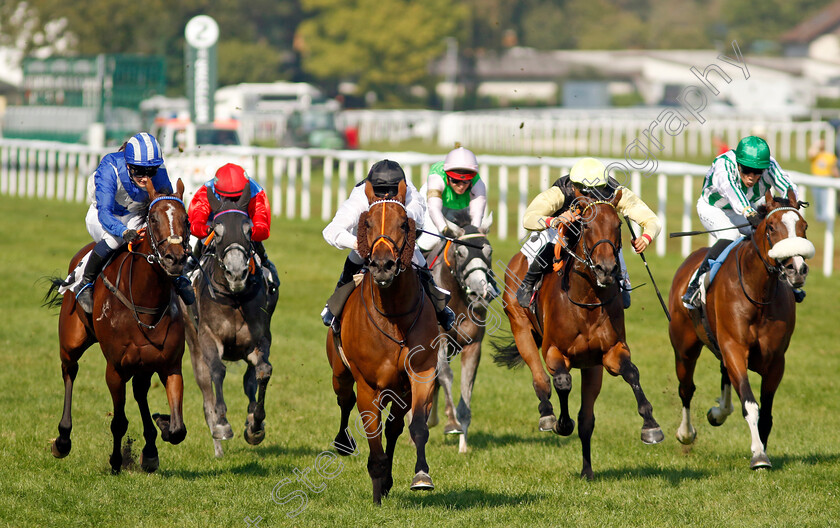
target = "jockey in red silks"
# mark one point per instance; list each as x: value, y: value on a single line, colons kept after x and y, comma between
x: 230, y: 182
x: 119, y: 202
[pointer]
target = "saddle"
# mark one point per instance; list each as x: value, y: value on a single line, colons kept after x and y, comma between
x: 714, y: 265
x: 339, y: 298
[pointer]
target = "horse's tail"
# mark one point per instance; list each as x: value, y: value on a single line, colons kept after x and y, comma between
x: 52, y: 299
x: 506, y: 353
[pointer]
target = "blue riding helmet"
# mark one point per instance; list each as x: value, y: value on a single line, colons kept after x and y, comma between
x: 143, y: 150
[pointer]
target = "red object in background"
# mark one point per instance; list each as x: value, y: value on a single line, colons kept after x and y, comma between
x: 351, y: 137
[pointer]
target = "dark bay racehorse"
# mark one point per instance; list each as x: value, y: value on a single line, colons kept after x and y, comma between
x: 751, y: 315
x: 386, y: 345
x: 231, y: 321
x: 139, y: 327
x: 464, y: 270
x: 579, y: 323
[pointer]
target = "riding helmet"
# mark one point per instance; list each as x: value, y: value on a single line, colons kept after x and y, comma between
x: 753, y: 152
x: 143, y: 150
x: 460, y: 159
x: 230, y: 180
x: 589, y: 172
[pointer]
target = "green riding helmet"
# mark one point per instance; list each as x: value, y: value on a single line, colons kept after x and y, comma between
x: 753, y: 152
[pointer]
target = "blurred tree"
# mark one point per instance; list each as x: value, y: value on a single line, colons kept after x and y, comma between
x: 542, y: 26
x: 247, y: 62
x: 382, y: 45
x: 750, y: 21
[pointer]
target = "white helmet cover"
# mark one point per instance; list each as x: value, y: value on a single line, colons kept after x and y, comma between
x: 589, y: 172
x: 460, y: 158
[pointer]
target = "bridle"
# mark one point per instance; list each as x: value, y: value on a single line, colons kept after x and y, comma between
x: 382, y: 238
x: 235, y: 246
x: 586, y: 260
x: 459, y: 270
x: 155, y: 257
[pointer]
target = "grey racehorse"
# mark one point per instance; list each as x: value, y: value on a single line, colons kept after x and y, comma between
x: 231, y: 321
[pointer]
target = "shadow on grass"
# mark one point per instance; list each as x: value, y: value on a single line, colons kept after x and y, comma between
x: 812, y: 459
x: 485, y: 439
x: 255, y: 468
x: 673, y: 475
x: 466, y: 499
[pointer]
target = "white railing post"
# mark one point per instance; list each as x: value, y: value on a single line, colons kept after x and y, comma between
x: 343, y: 170
x: 523, y: 200
x: 326, y: 193
x: 662, y: 203
x: 688, y: 195
x: 503, y: 208
x: 277, y: 168
x: 306, y: 180
x: 291, y: 186
x: 828, y: 242
x: 51, y: 162
x: 4, y: 170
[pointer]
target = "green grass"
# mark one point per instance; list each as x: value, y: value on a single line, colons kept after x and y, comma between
x: 512, y: 476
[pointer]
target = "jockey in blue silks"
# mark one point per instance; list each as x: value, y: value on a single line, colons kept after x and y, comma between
x: 118, y: 209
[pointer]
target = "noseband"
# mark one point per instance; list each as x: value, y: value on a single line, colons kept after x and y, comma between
x: 777, y: 268
x: 155, y: 257
x: 382, y: 238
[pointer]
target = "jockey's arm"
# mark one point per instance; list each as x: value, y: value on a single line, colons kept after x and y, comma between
x: 105, y: 182
x: 638, y: 211
x: 727, y: 180
x: 199, y: 212
x: 340, y: 232
x: 539, y: 210
x: 478, y: 202
x: 161, y: 181
x: 434, y: 201
x: 415, y: 205
x: 260, y: 214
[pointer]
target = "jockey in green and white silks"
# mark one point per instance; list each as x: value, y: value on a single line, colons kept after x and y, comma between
x: 734, y: 186
x: 452, y: 185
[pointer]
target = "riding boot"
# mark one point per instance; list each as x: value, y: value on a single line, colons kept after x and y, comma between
x: 272, y: 279
x: 98, y: 256
x: 439, y: 297
x: 691, y: 299
x: 535, y: 270
x: 184, y: 289
x: 350, y: 269
x: 798, y: 295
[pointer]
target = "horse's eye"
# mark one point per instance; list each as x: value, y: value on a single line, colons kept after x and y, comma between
x: 771, y: 228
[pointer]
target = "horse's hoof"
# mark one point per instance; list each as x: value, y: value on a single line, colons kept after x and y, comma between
x: 564, y: 427
x: 547, y: 423
x: 686, y: 439
x: 422, y: 482
x: 222, y: 432
x: 587, y: 474
x: 57, y: 450
x: 453, y: 428
x: 344, y: 444
x: 652, y: 436
x: 713, y: 420
x: 760, y: 462
x: 149, y: 464
x: 256, y: 437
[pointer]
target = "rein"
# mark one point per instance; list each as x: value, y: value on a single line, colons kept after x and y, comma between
x: 418, y: 307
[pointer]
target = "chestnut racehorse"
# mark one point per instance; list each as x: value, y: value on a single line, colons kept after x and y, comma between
x: 385, y: 347
x: 138, y: 325
x: 579, y: 323
x: 750, y: 313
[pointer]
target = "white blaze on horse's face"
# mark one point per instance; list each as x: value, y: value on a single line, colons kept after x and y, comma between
x: 795, y: 248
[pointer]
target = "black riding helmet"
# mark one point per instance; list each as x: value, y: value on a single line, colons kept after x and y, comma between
x: 385, y: 177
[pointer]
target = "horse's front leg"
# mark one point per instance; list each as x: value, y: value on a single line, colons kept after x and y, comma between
x: 371, y: 416
x: 445, y: 377
x: 617, y: 362
x: 221, y: 429
x: 149, y: 458
x: 590, y: 386
x: 119, y: 423
x: 172, y: 427
x: 422, y: 386
x: 769, y: 383
x: 718, y: 414
x: 256, y: 380
x: 394, y: 426
x: 687, y: 348
x: 470, y: 357
x: 201, y: 370
x: 556, y: 364
x: 342, y: 382
x: 527, y: 348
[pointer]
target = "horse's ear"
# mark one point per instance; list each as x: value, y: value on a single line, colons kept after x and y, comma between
x: 616, y: 198
x: 791, y: 196
x: 768, y: 200
x: 401, y: 192
x: 484, y: 228
x: 215, y: 203
x: 179, y: 189
x: 369, y: 192
x: 150, y: 188
x: 244, y: 199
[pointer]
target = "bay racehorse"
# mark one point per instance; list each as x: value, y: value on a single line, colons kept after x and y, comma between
x: 139, y: 327
x: 231, y: 320
x: 388, y: 326
x: 579, y: 323
x: 749, y: 318
x: 465, y: 269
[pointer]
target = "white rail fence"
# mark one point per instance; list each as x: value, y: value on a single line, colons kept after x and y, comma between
x: 297, y: 179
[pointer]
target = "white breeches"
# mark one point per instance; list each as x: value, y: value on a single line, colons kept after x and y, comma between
x: 714, y: 218
x: 97, y: 232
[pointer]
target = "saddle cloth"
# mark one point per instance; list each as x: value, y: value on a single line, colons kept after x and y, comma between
x: 73, y: 282
x: 714, y: 266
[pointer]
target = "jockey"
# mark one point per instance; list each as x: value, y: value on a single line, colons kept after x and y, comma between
x: 452, y: 185
x: 385, y: 177
x: 734, y: 186
x: 230, y: 182
x: 553, y: 206
x: 119, y: 204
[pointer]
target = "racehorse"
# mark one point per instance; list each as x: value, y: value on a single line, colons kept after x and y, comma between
x: 231, y: 320
x: 139, y: 327
x: 386, y: 345
x: 579, y: 323
x: 466, y: 271
x: 750, y: 315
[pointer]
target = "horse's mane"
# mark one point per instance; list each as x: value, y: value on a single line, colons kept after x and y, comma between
x: 784, y: 202
x: 461, y: 217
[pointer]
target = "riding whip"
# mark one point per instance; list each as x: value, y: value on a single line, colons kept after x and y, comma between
x: 692, y: 233
x: 633, y: 239
x: 453, y: 240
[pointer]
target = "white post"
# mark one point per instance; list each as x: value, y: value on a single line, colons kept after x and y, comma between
x: 662, y: 199
x: 545, y: 177
x: 358, y: 171
x: 277, y: 167
x: 523, y: 200
x: 4, y: 170
x: 688, y: 195
x: 326, y: 195
x: 72, y: 175
x: 343, y: 169
x: 31, y: 171
x: 306, y: 180
x: 14, y: 160
x: 61, y: 184
x: 503, y: 209
x: 828, y: 255
x: 51, y: 162
x: 291, y: 185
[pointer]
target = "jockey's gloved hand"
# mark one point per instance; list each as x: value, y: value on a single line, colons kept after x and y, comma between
x: 452, y: 231
x: 752, y: 217
x: 130, y: 235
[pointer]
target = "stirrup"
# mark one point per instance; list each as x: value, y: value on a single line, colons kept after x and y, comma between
x: 446, y: 318
x: 327, y: 316
x: 85, y: 298
x: 798, y: 295
x: 525, y: 295
x: 183, y: 287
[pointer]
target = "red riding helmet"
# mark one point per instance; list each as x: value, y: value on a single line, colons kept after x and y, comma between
x: 230, y: 181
